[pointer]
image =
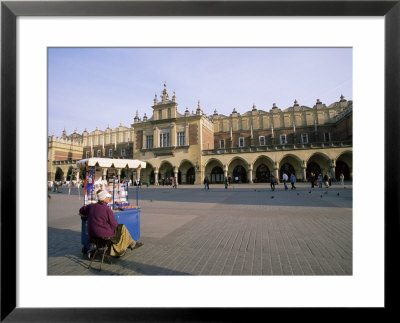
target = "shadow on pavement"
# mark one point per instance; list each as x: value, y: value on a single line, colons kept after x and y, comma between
x: 145, y: 269
x: 67, y: 243
x: 62, y: 242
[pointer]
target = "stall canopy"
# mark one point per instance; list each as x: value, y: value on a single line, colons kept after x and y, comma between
x: 109, y: 162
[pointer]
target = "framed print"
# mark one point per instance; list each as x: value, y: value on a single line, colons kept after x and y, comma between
x: 372, y: 28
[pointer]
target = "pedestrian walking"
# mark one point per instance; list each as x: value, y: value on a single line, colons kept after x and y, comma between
x: 206, y: 184
x: 226, y: 183
x: 292, y: 181
x: 272, y: 181
x: 285, y: 179
x: 312, y: 180
x: 320, y: 181
x: 175, y: 182
x: 341, y: 177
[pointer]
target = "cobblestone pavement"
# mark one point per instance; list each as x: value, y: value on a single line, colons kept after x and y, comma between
x: 243, y: 230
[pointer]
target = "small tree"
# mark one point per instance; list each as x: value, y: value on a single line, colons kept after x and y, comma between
x: 69, y: 173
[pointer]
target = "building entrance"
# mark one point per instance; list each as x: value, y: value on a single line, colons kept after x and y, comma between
x: 239, y: 174
x: 217, y: 175
x: 262, y: 174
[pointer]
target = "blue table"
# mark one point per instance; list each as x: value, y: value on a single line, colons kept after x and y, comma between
x: 131, y: 219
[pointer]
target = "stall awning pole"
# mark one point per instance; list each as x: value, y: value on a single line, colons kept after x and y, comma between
x: 137, y: 188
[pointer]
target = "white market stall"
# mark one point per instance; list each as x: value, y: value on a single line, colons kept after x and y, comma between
x: 95, y: 178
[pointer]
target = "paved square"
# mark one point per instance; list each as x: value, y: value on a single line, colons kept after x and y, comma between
x: 244, y: 230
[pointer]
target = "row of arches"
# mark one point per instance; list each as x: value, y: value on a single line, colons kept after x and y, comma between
x: 240, y: 170
x: 263, y: 173
x: 186, y: 173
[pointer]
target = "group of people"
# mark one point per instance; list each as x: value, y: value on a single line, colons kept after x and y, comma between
x: 285, y: 178
x: 169, y: 181
x: 319, y: 180
x: 323, y: 180
x: 101, y: 223
x: 326, y: 180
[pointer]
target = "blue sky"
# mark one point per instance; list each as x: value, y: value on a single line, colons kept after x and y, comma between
x: 89, y: 87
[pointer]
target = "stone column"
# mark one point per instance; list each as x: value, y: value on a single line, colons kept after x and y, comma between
x: 176, y: 174
x: 156, y: 176
x: 144, y: 140
x: 155, y: 138
x: 250, y: 174
x: 173, y: 134
x: 201, y: 134
x: 276, y: 170
x: 199, y: 171
x: 226, y: 171
x: 303, y: 170
x: 187, y: 135
x: 333, y: 168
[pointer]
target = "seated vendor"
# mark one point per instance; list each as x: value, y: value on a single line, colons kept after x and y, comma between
x: 101, y: 223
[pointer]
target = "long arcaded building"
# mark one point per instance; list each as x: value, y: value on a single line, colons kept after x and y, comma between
x: 191, y: 145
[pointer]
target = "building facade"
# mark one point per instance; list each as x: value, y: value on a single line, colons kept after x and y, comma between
x: 248, y: 147
x: 62, y: 154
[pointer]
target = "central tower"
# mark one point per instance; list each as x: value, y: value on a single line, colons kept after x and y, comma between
x: 166, y: 108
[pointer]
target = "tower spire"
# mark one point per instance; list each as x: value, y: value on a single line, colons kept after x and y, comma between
x: 165, y: 95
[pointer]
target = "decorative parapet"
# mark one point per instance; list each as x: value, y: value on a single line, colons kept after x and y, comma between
x: 344, y: 113
x: 62, y: 140
x: 285, y: 147
x: 164, y: 151
x: 65, y: 162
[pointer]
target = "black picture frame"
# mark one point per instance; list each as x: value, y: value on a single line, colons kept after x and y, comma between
x: 10, y: 10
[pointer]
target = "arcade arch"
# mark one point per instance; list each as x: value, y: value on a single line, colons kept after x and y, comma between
x: 213, y: 171
x: 59, y: 176
x: 291, y: 164
x: 166, y: 171
x: 186, y: 173
x: 344, y: 164
x: 238, y: 167
x: 263, y: 167
x: 147, y: 174
x: 318, y: 163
